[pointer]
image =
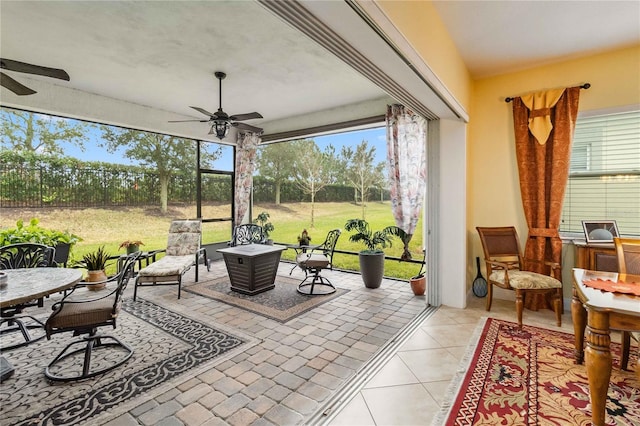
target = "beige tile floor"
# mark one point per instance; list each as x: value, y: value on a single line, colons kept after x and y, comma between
x: 410, y: 388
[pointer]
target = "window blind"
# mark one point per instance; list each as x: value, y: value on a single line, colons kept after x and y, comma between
x: 604, y: 174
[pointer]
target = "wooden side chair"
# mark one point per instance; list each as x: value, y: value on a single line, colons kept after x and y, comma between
x: 628, y: 254
x: 505, y: 269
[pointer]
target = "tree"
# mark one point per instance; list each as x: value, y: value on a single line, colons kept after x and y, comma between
x: 25, y: 131
x: 276, y: 162
x: 314, y: 170
x: 167, y: 154
x: 360, y: 172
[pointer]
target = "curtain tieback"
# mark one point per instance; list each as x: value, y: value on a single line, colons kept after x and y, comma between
x: 544, y: 232
x: 541, y: 112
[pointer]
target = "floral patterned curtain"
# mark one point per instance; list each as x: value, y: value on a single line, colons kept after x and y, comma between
x: 406, y: 155
x: 245, y: 162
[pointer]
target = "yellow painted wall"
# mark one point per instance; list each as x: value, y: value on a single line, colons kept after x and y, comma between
x: 421, y: 25
x: 493, y: 197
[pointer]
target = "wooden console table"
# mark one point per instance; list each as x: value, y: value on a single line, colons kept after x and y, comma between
x: 596, y: 256
x: 252, y: 268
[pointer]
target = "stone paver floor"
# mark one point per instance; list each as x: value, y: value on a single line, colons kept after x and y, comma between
x: 284, y: 377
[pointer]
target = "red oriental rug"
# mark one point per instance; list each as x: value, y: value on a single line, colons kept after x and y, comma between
x: 528, y: 377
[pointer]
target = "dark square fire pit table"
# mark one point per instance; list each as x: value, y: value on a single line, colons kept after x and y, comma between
x: 252, y: 267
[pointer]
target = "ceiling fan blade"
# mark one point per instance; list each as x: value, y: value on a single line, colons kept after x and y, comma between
x: 14, y: 86
x: 204, y: 111
x: 247, y: 127
x: 11, y: 65
x: 184, y: 121
x: 248, y: 116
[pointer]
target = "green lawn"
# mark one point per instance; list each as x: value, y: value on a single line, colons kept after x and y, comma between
x: 109, y: 227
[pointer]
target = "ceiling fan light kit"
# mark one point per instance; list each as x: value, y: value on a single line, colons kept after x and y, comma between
x: 220, y: 128
x: 221, y: 121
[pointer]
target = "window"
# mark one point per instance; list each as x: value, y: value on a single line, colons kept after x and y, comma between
x: 604, y: 176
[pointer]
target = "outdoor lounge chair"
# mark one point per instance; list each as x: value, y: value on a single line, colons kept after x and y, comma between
x: 183, y: 251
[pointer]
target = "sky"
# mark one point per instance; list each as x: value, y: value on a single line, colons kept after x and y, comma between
x: 375, y: 137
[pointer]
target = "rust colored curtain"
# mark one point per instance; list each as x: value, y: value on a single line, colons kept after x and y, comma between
x: 544, y: 169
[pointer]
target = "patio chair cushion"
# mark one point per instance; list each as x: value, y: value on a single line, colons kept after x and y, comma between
x: 77, y: 314
x: 168, y: 266
x: 524, y: 280
x: 313, y: 260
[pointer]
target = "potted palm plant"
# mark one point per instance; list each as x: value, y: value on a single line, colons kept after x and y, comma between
x: 372, y: 257
x: 95, y: 263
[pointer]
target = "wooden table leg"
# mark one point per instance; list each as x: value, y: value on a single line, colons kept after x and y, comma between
x: 598, y: 362
x: 579, y: 316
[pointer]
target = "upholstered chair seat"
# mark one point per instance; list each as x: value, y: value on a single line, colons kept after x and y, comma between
x: 526, y: 280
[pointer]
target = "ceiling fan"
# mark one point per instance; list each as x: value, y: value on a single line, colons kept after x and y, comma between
x: 17, y: 66
x: 221, y: 121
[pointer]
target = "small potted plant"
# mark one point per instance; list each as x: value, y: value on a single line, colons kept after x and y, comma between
x: 95, y: 263
x: 132, y: 246
x: 372, y: 258
x: 267, y: 227
x: 304, y: 238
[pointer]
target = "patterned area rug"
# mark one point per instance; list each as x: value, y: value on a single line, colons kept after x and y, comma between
x: 528, y: 377
x: 166, y: 345
x: 282, y: 303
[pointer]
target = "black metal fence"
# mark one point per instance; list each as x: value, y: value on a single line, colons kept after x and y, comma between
x: 83, y: 185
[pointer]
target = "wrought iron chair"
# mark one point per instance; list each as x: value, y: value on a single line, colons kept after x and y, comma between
x: 313, y: 262
x: 505, y: 269
x: 183, y: 251
x: 17, y: 256
x: 83, y: 316
x: 248, y: 233
x: 628, y: 254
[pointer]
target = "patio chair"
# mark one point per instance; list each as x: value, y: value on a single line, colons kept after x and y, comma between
x: 505, y: 269
x: 628, y: 254
x: 17, y: 256
x: 314, y: 261
x: 183, y: 251
x: 83, y: 316
x: 248, y: 233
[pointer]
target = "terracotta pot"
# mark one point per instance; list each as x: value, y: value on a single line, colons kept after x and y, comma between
x: 96, y: 276
x: 418, y: 285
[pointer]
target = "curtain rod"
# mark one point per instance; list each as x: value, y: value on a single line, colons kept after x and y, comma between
x: 584, y: 86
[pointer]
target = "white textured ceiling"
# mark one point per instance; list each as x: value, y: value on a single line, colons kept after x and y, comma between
x: 496, y: 37
x: 142, y: 63
x: 163, y: 55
